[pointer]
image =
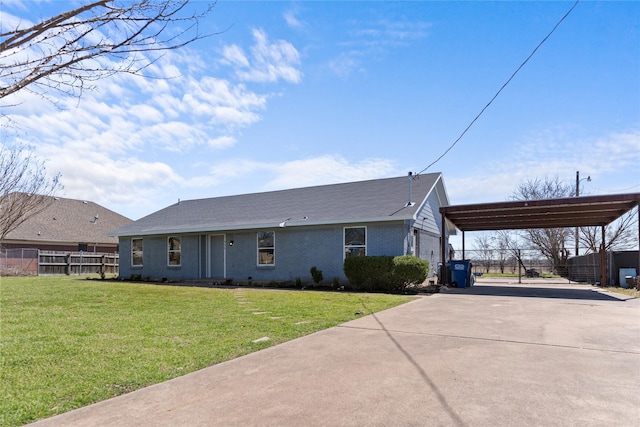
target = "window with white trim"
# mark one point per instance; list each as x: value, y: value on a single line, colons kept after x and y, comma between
x: 355, y: 241
x: 136, y: 252
x: 266, y: 248
x: 174, y: 249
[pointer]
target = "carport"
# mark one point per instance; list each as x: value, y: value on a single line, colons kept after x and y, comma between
x: 584, y: 211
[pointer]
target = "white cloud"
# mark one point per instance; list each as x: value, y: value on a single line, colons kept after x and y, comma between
x: 326, y: 169
x: 221, y: 142
x: 234, y: 55
x: 93, y: 175
x: 345, y: 63
x: 386, y: 32
x: 374, y: 40
x: 269, y: 62
x: 147, y: 113
x: 223, y: 102
x: 111, y: 145
x: 620, y: 149
x: 292, y: 20
x: 553, y: 152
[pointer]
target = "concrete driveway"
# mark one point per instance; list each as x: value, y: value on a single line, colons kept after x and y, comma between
x: 497, y: 354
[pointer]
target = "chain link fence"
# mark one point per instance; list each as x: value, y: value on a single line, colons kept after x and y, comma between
x: 582, y: 269
x: 493, y: 262
x: 19, y: 262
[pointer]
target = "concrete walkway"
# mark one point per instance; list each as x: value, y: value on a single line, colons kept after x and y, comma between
x: 497, y: 354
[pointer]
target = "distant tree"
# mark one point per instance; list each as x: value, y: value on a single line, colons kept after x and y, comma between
x: 67, y: 52
x: 550, y: 242
x: 25, y: 189
x: 484, y: 248
x: 508, y: 244
x: 502, y: 251
x: 620, y: 234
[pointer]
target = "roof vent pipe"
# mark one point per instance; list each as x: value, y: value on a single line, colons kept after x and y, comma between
x: 409, y: 202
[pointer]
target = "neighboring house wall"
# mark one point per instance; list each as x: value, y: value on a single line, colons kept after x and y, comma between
x: 297, y: 249
x: 67, y: 225
x: 62, y: 247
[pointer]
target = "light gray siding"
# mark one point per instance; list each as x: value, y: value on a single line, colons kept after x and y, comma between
x: 155, y: 263
x: 428, y: 218
x: 428, y: 248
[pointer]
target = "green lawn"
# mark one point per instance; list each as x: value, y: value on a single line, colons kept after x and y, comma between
x: 67, y: 342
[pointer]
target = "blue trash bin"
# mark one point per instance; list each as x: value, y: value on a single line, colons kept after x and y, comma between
x: 460, y: 273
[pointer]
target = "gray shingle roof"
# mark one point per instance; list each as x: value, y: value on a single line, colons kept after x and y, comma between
x: 70, y: 221
x: 364, y: 201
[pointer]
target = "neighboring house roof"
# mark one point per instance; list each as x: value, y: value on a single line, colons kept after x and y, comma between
x: 70, y: 221
x: 364, y: 201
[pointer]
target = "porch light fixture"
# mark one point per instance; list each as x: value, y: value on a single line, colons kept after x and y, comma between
x: 230, y: 242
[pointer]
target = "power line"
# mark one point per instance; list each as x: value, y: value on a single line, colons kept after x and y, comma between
x: 503, y: 86
x: 617, y: 190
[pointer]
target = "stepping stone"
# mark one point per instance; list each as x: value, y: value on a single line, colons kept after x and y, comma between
x: 302, y: 322
x: 260, y: 312
x: 263, y: 339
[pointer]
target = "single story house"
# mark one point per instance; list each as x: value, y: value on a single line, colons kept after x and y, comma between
x: 68, y: 225
x: 280, y: 235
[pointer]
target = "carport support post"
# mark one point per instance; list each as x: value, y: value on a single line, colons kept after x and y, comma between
x: 463, y: 257
x: 603, y: 261
x: 443, y: 250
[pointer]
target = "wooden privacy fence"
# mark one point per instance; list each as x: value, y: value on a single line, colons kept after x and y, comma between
x: 36, y: 262
x: 77, y: 263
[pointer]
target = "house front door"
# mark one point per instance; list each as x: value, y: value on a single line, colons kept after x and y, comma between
x: 216, y: 259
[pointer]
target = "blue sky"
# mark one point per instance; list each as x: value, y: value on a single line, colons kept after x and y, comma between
x: 292, y: 94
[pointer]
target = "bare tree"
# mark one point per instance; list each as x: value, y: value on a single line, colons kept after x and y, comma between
x: 484, y: 247
x: 25, y: 188
x: 510, y: 247
x: 549, y: 241
x: 619, y: 234
x: 502, y: 250
x: 66, y: 53
x: 101, y: 38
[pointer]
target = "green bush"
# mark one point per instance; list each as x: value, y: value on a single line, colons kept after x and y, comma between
x: 368, y: 273
x: 385, y: 273
x: 316, y: 275
x: 408, y: 270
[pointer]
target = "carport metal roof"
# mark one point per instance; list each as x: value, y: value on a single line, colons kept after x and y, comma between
x: 548, y: 213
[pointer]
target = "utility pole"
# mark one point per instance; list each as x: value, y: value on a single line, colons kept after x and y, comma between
x: 588, y: 178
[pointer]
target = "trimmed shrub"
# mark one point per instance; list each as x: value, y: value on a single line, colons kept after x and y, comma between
x: 316, y: 275
x: 408, y: 270
x: 368, y: 273
x: 385, y: 273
